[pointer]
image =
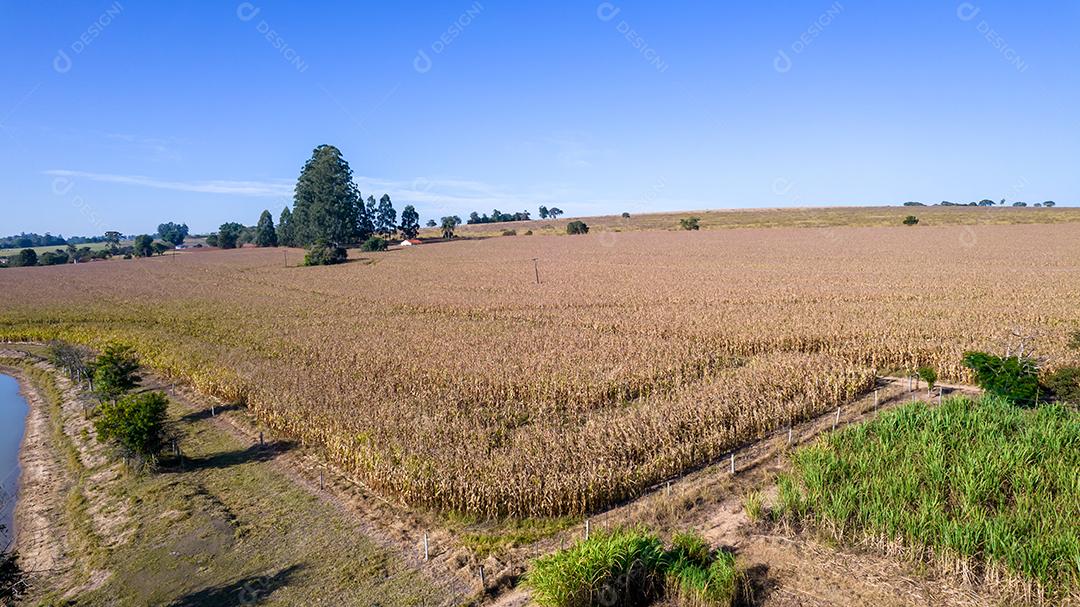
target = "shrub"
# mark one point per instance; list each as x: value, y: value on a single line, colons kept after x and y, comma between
x: 911, y: 220
x: 1074, y: 341
x: 373, y: 244
x: 631, y: 567
x: 577, y: 227
x: 509, y: 232
x: 690, y: 223
x: 626, y: 215
x: 134, y: 423
x: 1065, y: 384
x: 712, y: 582
x: 621, y: 567
x: 323, y: 254
x: 1014, y: 379
x: 928, y: 375
x: 26, y: 257
x: 528, y: 232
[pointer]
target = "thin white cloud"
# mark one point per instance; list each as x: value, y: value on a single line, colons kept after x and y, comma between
x: 269, y: 189
x: 433, y: 196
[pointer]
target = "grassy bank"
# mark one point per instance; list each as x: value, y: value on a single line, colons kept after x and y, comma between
x: 977, y: 487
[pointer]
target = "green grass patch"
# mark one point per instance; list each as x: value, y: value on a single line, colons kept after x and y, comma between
x: 633, y: 567
x: 514, y: 533
x: 975, y: 484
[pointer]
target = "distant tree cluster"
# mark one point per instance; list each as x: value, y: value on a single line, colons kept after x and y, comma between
x: 26, y: 241
x: 498, y: 216
x: 71, y: 254
x: 985, y: 202
x: 173, y: 233
x: 552, y: 213
x: 328, y: 207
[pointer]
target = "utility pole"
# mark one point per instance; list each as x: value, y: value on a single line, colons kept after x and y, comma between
x: 536, y: 270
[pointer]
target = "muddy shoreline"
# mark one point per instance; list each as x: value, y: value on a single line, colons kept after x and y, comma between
x: 39, y: 507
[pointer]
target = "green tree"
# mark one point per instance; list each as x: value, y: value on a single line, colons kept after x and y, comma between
x: 265, y: 234
x: 1013, y: 378
x: 115, y: 371
x: 144, y: 245
x: 134, y: 423
x: 577, y: 227
x: 26, y: 257
x: 410, y: 222
x: 159, y: 248
x: 543, y: 212
x: 449, y: 224
x: 113, y: 238
x: 284, y: 228
x: 228, y: 235
x: 554, y: 212
x: 431, y: 223
x: 173, y: 233
x: 326, y: 203
x: 386, y: 218
x: 1049, y: 203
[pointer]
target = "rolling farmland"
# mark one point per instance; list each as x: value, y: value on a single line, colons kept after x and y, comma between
x: 445, y: 377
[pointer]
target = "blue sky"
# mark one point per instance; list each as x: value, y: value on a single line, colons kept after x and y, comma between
x: 118, y: 114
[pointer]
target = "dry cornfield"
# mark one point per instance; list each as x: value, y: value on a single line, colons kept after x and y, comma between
x: 444, y: 376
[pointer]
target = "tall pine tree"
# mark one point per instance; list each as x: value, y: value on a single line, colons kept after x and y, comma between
x: 410, y: 222
x: 284, y: 228
x: 387, y: 216
x: 325, y: 202
x: 265, y: 234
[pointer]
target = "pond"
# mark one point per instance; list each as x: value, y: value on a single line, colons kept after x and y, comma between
x: 13, y: 410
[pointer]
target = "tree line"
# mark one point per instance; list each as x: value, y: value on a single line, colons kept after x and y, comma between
x: 26, y: 241
x: 985, y: 202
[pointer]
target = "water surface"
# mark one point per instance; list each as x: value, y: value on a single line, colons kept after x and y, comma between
x: 13, y: 409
